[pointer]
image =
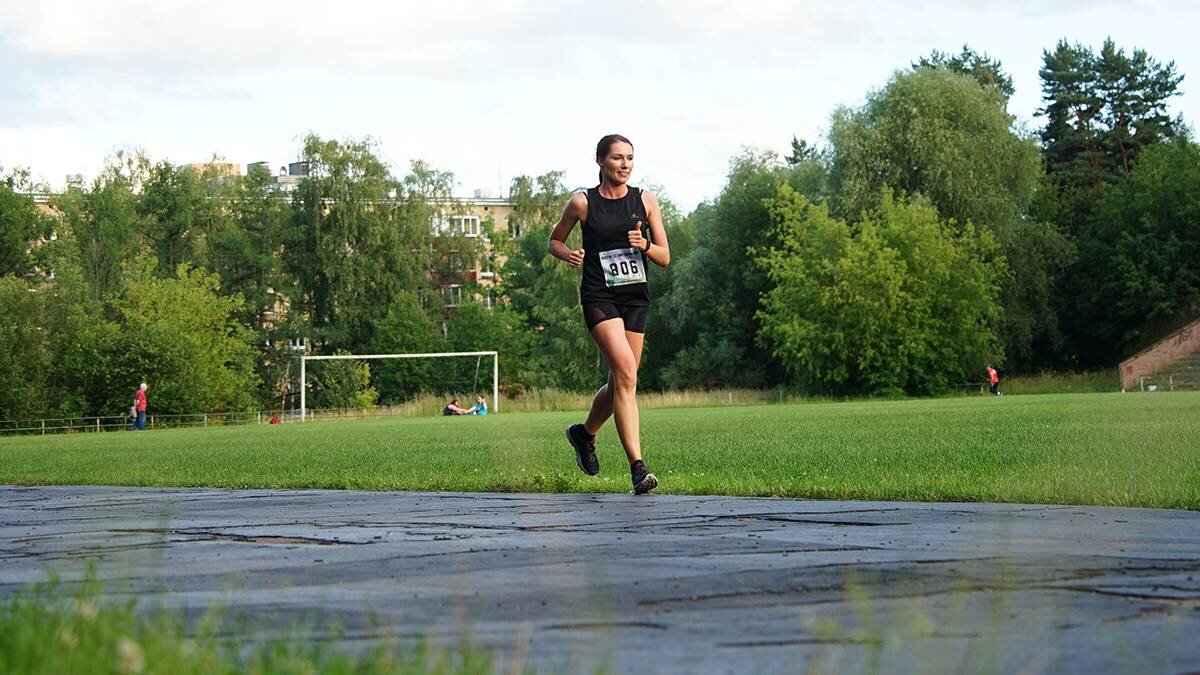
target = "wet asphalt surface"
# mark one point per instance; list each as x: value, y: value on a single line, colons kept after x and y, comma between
x: 577, y: 582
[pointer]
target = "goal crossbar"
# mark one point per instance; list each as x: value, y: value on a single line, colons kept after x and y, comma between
x: 304, y: 359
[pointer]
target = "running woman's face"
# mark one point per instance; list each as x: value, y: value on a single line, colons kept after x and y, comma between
x: 618, y: 163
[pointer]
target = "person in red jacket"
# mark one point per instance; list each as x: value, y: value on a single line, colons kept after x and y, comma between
x: 139, y: 409
x: 993, y: 380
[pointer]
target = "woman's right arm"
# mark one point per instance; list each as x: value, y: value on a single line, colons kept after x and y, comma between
x: 576, y: 211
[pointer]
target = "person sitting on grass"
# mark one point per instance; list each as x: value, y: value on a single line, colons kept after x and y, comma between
x: 452, y: 408
x: 480, y: 406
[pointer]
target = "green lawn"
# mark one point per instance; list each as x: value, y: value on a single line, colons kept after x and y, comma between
x: 1121, y: 449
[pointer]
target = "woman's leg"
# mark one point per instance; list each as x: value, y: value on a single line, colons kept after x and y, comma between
x: 602, y: 408
x: 602, y: 402
x: 623, y: 352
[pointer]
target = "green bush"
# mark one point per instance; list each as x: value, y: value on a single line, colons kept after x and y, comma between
x: 896, y: 303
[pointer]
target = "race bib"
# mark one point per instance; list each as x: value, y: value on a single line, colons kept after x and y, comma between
x: 623, y: 266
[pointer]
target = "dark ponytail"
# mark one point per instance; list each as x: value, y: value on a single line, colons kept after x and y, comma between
x: 605, y: 145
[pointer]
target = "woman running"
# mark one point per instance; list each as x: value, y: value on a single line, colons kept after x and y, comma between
x: 613, y: 292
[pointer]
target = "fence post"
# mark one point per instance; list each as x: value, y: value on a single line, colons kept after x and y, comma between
x: 43, y: 427
x: 97, y: 424
x: 205, y: 420
x: 1171, y: 381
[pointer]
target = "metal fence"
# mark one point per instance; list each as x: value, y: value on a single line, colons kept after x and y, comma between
x: 120, y: 422
x: 1174, y: 381
x: 212, y: 419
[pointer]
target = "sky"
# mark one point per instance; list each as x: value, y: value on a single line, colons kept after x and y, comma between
x: 491, y: 90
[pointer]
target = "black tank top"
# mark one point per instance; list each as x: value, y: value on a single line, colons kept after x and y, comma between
x: 612, y: 270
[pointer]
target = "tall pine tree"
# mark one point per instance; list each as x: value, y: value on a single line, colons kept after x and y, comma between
x: 1102, y: 111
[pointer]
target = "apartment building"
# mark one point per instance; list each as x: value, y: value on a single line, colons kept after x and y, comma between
x: 470, y: 214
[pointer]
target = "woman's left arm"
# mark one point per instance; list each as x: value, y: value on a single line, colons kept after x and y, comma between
x: 660, y: 250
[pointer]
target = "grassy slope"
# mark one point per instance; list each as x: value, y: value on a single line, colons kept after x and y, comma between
x: 1086, y: 448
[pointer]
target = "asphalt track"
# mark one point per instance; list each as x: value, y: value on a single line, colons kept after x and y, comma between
x: 656, y: 583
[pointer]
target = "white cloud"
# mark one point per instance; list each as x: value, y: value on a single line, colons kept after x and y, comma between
x: 448, y: 38
x: 464, y: 83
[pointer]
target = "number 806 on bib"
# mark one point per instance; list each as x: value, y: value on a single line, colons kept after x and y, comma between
x: 623, y: 266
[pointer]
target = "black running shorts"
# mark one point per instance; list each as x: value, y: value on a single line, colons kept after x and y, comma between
x: 633, y: 316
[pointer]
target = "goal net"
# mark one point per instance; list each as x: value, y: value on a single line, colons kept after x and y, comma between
x: 304, y: 359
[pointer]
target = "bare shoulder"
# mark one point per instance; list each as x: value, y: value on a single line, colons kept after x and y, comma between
x: 649, y: 200
x: 578, y: 205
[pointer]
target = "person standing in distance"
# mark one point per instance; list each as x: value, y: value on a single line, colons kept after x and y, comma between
x: 139, y: 409
x: 993, y: 380
x: 614, y: 218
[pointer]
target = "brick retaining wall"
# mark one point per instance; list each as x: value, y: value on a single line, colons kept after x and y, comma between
x: 1174, y: 347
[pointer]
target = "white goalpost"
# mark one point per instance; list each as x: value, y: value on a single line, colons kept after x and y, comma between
x: 304, y: 358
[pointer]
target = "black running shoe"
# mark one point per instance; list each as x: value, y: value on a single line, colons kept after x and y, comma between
x: 585, y: 449
x: 643, y: 480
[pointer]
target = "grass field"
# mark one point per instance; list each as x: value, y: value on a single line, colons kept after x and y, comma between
x: 48, y: 629
x: 1108, y: 449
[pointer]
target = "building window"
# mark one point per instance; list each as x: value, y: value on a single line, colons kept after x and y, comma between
x: 486, y: 272
x: 453, y: 294
x: 468, y: 226
x: 514, y: 230
x: 487, y: 300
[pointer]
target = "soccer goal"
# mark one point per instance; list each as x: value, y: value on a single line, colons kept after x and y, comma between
x: 304, y: 359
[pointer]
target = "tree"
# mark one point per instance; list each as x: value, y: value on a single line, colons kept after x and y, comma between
x: 52, y: 344
x: 897, y: 302
x: 1150, y: 245
x: 661, y: 342
x: 563, y: 354
x: 544, y: 291
x: 802, y: 152
x: 103, y: 223
x: 716, y: 286
x: 427, y: 204
x: 988, y: 72
x: 473, y: 327
x: 179, y: 211
x: 406, y: 328
x: 26, y: 355
x: 1102, y: 112
x: 344, y: 384
x: 183, y: 338
x: 939, y: 133
x: 358, y: 238
x: 20, y: 224
x: 537, y: 204
x: 85, y: 343
x: 245, y: 251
